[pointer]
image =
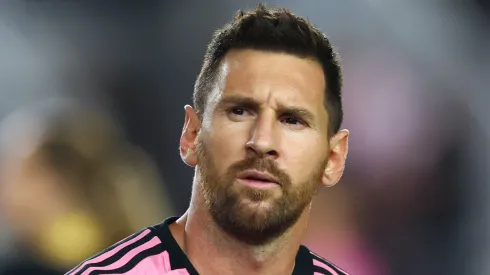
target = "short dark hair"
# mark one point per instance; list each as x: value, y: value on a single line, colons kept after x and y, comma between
x: 274, y: 30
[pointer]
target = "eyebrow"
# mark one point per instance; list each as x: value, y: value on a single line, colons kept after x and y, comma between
x: 299, y: 112
x: 244, y: 101
x: 253, y: 104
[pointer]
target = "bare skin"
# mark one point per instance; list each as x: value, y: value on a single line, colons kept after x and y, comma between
x: 267, y: 106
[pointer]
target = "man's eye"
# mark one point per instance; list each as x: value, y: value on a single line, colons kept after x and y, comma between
x: 238, y: 111
x: 292, y: 121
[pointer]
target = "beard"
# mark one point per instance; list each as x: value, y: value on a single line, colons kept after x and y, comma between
x: 270, y: 216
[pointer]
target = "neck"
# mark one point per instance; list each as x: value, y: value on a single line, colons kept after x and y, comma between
x: 212, y: 251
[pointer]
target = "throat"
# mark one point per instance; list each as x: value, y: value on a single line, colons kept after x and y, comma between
x: 212, y: 251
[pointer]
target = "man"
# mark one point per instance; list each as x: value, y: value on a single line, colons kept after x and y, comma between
x: 264, y: 138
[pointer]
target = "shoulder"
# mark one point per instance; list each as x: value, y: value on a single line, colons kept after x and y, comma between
x: 124, y: 257
x: 323, y: 266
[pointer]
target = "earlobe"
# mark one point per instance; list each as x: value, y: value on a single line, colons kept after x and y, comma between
x: 339, y: 147
x: 189, y: 135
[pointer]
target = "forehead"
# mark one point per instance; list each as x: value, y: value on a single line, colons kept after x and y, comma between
x: 266, y: 75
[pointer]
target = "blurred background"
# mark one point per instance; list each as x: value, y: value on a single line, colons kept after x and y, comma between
x: 91, y: 102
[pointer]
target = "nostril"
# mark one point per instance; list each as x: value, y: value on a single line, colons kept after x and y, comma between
x: 272, y: 153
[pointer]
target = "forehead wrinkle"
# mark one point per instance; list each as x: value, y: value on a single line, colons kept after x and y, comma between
x: 241, y: 72
x: 284, y: 101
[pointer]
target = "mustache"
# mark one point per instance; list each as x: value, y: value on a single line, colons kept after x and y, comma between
x: 261, y: 165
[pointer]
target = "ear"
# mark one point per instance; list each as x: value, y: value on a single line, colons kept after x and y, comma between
x: 189, y: 135
x: 339, y: 146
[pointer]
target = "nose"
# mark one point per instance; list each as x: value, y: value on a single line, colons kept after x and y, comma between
x: 263, y: 141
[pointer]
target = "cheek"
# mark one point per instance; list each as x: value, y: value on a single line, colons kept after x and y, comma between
x: 303, y: 158
x: 224, y: 148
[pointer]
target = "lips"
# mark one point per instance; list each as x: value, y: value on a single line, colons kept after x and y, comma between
x: 256, y: 176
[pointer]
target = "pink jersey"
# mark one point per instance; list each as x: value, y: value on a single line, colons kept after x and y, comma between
x: 154, y: 251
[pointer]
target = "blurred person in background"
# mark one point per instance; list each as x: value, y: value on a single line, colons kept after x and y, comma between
x: 70, y: 186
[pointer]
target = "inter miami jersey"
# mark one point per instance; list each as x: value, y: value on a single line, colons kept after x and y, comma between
x: 154, y: 251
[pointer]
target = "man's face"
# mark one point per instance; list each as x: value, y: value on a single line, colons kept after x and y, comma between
x: 265, y: 118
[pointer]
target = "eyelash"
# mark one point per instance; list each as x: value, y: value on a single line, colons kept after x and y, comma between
x: 231, y: 110
x: 299, y: 121
x: 283, y: 118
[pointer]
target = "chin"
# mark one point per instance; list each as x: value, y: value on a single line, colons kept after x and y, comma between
x: 255, y: 212
x: 263, y: 207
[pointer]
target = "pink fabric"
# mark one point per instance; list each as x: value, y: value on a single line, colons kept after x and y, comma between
x: 326, y: 267
x: 177, y: 272
x: 148, y: 267
x: 349, y: 252
x: 112, y: 252
x: 168, y: 268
